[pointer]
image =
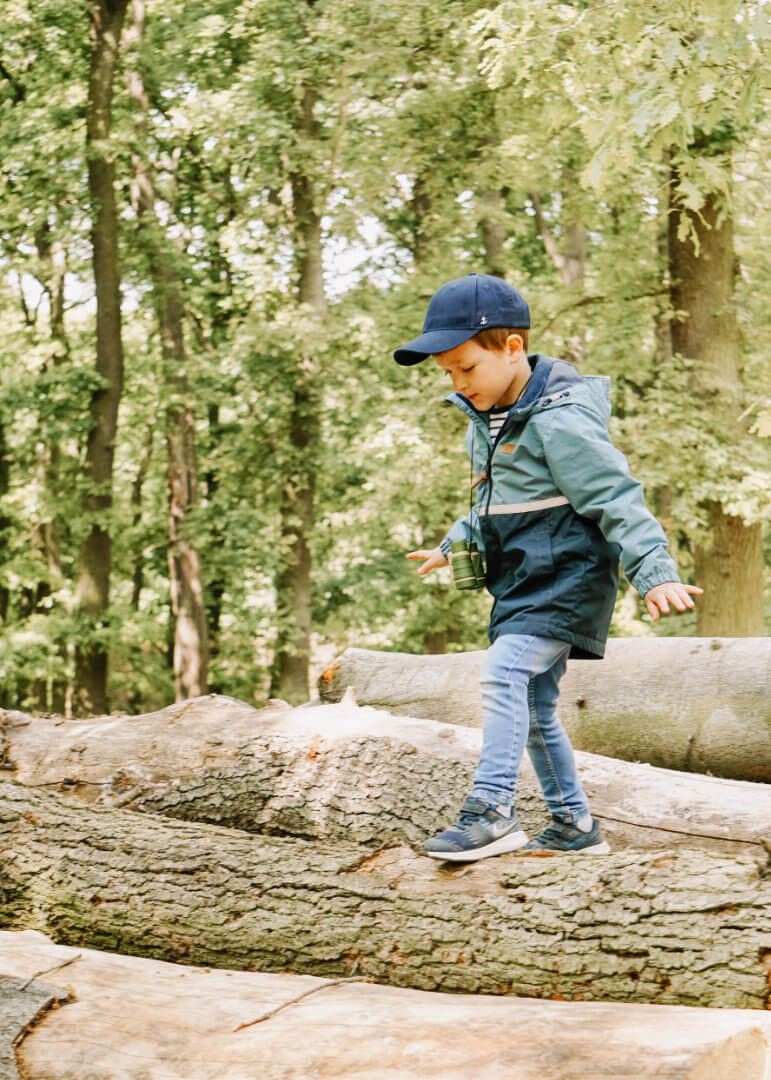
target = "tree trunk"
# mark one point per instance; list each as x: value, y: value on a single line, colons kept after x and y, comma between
x: 718, y: 720
x: 685, y: 928
x: 52, y: 695
x: 729, y: 561
x: 293, y: 581
x: 93, y: 585
x: 494, y: 232
x: 570, y: 262
x: 185, y: 579
x: 137, y: 485
x: 729, y: 566
x: 125, y: 1017
x: 340, y: 772
x: 5, y: 521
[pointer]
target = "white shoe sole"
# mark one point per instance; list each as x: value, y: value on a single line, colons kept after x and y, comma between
x: 510, y: 842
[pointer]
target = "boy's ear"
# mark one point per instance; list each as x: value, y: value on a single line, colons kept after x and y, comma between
x: 514, y: 344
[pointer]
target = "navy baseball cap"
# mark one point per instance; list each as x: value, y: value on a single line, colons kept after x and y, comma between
x: 460, y: 309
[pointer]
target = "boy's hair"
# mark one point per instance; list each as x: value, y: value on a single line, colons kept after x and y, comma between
x: 494, y: 338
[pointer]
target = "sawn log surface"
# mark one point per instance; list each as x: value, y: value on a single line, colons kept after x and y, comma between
x: 138, y: 1019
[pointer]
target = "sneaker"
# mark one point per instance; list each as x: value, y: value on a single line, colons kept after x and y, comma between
x: 480, y: 831
x: 563, y: 836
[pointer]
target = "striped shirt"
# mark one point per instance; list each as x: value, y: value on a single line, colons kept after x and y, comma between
x: 496, y: 418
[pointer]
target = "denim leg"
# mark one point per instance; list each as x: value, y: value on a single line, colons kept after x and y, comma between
x: 549, y: 747
x: 511, y: 664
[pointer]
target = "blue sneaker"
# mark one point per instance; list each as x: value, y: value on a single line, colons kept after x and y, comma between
x: 480, y: 831
x: 563, y: 836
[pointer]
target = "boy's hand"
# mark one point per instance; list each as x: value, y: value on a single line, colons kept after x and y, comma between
x: 433, y: 559
x: 658, y: 599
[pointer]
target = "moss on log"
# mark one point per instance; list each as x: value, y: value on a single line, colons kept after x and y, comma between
x: 672, y: 928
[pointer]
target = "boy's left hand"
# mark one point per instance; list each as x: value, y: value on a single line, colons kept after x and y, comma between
x: 658, y: 599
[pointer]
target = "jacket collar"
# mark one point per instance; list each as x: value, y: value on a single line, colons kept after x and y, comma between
x: 550, y: 377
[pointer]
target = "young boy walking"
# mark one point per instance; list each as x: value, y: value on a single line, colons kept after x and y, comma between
x: 556, y: 506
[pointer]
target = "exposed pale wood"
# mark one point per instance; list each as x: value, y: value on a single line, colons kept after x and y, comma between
x: 342, y: 771
x: 681, y: 927
x: 132, y: 1017
x: 694, y: 704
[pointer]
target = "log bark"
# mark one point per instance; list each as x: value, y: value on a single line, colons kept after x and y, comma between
x: 693, y: 704
x: 349, y: 773
x: 131, y: 1017
x: 23, y: 1003
x: 679, y: 928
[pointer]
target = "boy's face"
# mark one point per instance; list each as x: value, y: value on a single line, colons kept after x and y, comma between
x: 487, y: 377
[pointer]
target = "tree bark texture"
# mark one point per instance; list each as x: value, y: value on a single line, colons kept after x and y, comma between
x: 185, y: 577
x: 495, y: 231
x: 570, y: 260
x: 130, y: 1017
x: 341, y: 772
x: 693, y: 704
x: 686, y: 928
x: 729, y: 562
x: 23, y: 1003
x: 293, y: 581
x: 5, y: 521
x: 93, y: 585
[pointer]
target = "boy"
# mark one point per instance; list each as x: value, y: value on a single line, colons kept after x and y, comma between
x: 555, y: 508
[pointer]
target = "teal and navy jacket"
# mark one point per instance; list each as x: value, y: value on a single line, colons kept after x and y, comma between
x: 556, y: 509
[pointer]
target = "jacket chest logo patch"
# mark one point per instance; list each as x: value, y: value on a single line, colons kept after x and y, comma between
x: 507, y: 447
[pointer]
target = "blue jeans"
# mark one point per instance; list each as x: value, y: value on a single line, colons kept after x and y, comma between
x: 520, y: 687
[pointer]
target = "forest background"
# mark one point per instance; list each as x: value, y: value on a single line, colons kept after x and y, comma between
x: 218, y: 219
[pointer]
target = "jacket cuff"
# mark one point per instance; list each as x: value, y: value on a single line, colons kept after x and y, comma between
x: 655, y: 572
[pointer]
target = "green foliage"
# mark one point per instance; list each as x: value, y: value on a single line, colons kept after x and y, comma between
x: 420, y: 112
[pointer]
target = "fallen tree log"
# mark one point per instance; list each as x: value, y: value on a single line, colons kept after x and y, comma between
x: 350, y: 773
x: 692, y: 704
x: 682, y: 927
x: 130, y: 1017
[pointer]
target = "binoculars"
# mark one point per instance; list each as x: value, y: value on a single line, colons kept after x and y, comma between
x: 466, y: 565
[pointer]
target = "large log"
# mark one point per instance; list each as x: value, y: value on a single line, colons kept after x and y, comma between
x: 344, y: 772
x: 693, y: 704
x: 130, y: 1018
x: 684, y: 927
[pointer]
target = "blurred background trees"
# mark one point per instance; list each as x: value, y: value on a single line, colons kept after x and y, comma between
x: 211, y: 484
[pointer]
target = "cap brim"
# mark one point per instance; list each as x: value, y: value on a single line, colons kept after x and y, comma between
x: 430, y: 343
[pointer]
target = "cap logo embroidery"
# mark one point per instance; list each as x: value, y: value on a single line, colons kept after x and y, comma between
x: 483, y: 320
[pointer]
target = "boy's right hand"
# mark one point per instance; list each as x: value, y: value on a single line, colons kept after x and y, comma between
x: 432, y: 559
